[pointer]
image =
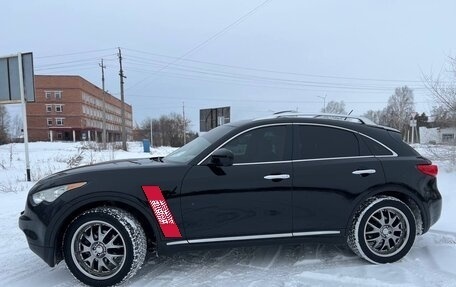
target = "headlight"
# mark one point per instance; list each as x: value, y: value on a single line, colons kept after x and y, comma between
x: 51, y: 194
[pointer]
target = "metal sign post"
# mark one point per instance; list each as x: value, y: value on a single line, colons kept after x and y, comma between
x: 24, y: 115
x: 413, y: 126
x: 17, y: 86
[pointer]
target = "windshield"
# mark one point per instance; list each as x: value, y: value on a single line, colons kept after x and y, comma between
x: 189, y: 151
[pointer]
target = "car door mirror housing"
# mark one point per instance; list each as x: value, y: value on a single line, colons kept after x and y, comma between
x: 222, y: 157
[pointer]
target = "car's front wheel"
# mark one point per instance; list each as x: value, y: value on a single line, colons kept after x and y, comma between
x: 383, y: 230
x: 104, y: 246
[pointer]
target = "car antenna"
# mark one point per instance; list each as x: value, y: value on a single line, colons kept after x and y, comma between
x: 348, y: 114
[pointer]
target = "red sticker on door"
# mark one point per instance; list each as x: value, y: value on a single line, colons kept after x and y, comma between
x: 161, y: 211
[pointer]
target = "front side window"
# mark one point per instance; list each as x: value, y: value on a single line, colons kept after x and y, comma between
x: 58, y: 108
x: 49, y: 122
x: 47, y: 95
x: 317, y: 142
x: 58, y: 95
x: 48, y: 108
x: 266, y: 144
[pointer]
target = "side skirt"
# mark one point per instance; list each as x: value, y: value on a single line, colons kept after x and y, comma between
x: 253, y: 237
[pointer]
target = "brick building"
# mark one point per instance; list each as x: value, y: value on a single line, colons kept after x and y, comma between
x: 70, y: 108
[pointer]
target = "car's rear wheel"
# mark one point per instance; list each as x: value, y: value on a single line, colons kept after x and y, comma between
x: 104, y: 246
x: 383, y: 230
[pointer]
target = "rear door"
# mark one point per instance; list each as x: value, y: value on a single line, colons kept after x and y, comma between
x: 331, y: 167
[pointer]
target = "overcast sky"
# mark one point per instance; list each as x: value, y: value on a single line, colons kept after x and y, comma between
x: 283, y: 55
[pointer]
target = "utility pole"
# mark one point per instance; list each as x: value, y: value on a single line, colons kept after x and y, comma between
x: 184, y: 123
x: 324, y: 102
x: 103, y: 135
x: 122, y: 99
x: 151, y: 138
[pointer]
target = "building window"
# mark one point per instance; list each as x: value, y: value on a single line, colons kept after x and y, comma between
x: 49, y: 121
x: 447, y: 138
x: 59, y: 121
x: 59, y: 136
x: 59, y: 108
x: 48, y: 108
x: 47, y: 95
x: 58, y: 95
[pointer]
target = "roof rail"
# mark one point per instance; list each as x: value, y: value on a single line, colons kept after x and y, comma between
x: 286, y: 114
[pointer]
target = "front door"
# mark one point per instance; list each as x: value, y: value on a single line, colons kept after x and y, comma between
x: 249, y: 200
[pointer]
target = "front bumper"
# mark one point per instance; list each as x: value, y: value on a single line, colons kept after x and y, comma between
x: 35, y: 232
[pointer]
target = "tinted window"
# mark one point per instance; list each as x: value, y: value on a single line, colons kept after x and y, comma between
x: 192, y: 149
x: 376, y: 148
x: 313, y: 142
x: 260, y: 145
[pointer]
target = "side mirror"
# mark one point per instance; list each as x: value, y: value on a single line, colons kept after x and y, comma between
x: 222, y: 157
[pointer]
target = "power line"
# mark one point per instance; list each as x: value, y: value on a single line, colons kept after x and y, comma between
x: 91, y: 59
x: 256, y: 77
x: 268, y: 70
x: 68, y: 66
x: 213, y: 37
x: 228, y: 82
x: 281, y: 81
x: 189, y: 98
x: 74, y: 53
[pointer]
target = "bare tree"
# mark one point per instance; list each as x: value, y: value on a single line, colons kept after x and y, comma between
x: 443, y: 90
x: 334, y: 107
x: 15, y: 127
x: 377, y: 117
x: 443, y: 86
x: 4, y: 121
x: 166, y: 131
x: 399, y: 109
x: 443, y: 117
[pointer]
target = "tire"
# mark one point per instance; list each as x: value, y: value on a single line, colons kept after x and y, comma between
x: 114, y: 258
x: 383, y: 230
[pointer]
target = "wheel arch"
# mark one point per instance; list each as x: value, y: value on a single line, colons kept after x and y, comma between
x: 411, y: 198
x: 144, y: 217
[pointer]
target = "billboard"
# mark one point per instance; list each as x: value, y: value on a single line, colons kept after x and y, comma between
x: 214, y: 117
x: 9, y: 78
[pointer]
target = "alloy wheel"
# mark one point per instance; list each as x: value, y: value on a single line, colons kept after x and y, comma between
x: 386, y: 232
x: 98, y: 250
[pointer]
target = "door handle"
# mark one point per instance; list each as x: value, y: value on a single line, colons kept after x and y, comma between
x: 277, y: 176
x: 364, y: 172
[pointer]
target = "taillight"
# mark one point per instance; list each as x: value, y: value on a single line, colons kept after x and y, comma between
x: 429, y: 169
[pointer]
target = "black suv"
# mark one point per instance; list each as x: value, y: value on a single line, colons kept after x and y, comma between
x: 284, y: 179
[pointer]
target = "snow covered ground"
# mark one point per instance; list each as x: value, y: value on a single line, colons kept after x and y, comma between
x: 431, y: 261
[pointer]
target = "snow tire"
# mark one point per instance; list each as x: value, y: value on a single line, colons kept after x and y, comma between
x: 383, y: 230
x: 104, y: 246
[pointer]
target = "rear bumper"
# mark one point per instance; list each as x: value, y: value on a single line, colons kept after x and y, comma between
x: 435, y: 210
x: 433, y: 203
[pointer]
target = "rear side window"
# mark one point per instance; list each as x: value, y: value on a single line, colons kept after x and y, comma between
x: 376, y: 148
x: 316, y: 142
